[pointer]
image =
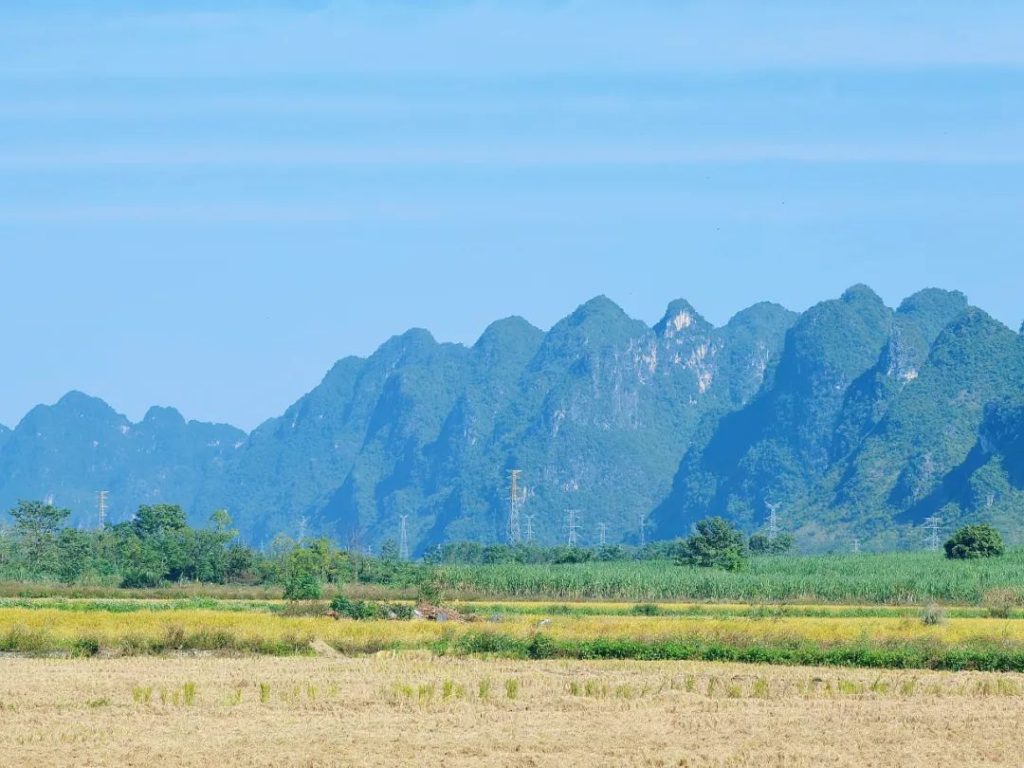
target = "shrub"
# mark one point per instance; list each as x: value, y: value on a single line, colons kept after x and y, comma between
x: 933, y: 615
x: 1000, y: 602
x: 645, y: 609
x: 362, y: 610
x: 974, y: 541
x: 760, y: 544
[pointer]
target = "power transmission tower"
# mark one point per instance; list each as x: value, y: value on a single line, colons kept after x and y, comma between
x: 529, y: 529
x: 103, y: 508
x: 933, y: 525
x: 403, y: 548
x: 773, y: 520
x: 516, y: 497
x: 643, y: 531
x: 573, y: 520
x: 856, y: 545
x: 602, y: 533
x: 303, y: 522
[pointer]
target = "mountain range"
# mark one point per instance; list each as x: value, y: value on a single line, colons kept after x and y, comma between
x: 856, y: 421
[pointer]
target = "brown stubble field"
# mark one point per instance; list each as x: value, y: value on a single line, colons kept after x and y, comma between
x: 414, y: 709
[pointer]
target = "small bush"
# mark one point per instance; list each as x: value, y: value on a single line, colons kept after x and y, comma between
x: 645, y: 609
x: 973, y: 541
x: 1001, y: 602
x: 933, y: 615
x: 363, y: 610
x: 85, y: 646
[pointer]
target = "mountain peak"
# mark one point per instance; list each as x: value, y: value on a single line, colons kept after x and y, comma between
x: 82, y: 405
x: 415, y: 340
x: 761, y: 311
x: 932, y: 309
x: 78, y: 399
x: 861, y: 293
x: 599, y: 306
x: 508, y: 331
x: 163, y: 416
x: 680, y: 316
x: 932, y: 298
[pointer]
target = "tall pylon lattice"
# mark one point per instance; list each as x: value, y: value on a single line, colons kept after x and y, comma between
x: 516, y: 498
x: 602, y: 534
x: 773, y: 519
x: 933, y: 525
x: 643, y: 530
x: 856, y: 545
x: 403, y: 547
x: 103, y: 495
x: 573, y: 516
x: 529, y: 529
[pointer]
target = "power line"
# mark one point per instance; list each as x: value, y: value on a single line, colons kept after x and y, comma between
x: 403, y: 549
x: 516, y: 497
x: 573, y: 520
x: 773, y: 519
x: 933, y: 525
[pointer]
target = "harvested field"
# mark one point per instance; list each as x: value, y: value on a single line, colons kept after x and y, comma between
x: 416, y: 709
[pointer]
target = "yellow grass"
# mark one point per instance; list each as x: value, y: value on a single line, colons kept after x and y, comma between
x: 414, y: 709
x: 112, y: 628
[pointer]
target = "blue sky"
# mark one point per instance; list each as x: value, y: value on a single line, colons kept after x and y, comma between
x: 205, y: 206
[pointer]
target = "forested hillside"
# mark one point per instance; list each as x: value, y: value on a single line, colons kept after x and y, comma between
x: 857, y: 420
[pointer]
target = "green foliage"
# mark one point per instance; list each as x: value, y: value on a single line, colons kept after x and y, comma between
x: 974, y: 541
x: 716, y: 544
x: 158, y: 519
x: 36, y: 524
x: 362, y: 610
x: 760, y: 544
x: 302, y: 576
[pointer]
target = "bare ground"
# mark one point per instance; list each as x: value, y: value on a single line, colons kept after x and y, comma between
x: 414, y: 709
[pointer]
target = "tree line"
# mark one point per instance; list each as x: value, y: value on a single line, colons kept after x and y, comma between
x: 158, y: 546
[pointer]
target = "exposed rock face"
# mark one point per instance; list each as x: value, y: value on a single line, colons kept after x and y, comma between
x: 850, y: 445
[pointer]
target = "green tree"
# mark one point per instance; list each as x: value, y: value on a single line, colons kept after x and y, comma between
x: 973, y: 541
x: 302, y: 575
x: 75, y: 554
x: 159, y: 518
x: 716, y: 544
x: 36, y: 524
x: 389, y: 550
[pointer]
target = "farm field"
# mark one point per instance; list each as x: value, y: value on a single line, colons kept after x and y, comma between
x: 414, y: 708
x: 895, y: 578
x: 866, y: 636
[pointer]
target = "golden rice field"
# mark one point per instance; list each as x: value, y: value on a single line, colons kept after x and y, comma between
x: 413, y: 708
x: 112, y: 629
